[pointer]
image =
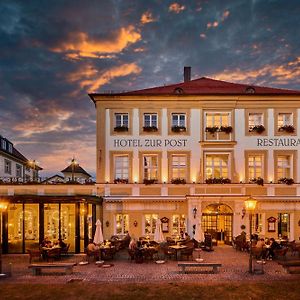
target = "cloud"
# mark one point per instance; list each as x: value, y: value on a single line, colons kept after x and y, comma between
x: 225, y: 15
x: 213, y: 24
x: 276, y: 74
x: 81, y: 45
x: 203, y: 36
x: 176, y: 8
x: 87, y: 76
x: 147, y: 18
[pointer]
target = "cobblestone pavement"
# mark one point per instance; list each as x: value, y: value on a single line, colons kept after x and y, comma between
x: 234, y: 268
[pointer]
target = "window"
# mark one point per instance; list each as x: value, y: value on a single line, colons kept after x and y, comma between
x: 18, y: 170
x: 284, y: 166
x: 284, y: 119
x: 150, y: 120
x: 150, y: 224
x: 150, y: 167
x: 121, y: 172
x: 179, y: 167
x: 178, y: 224
x: 217, y: 126
x: 3, y: 144
x: 10, y: 148
x: 217, y: 119
x: 7, y: 166
x: 122, y: 120
x: 283, y: 225
x: 216, y: 166
x: 122, y: 224
x: 255, y: 166
x: 178, y: 120
x: 255, y: 119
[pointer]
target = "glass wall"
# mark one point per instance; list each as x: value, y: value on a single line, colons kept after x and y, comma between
x: 31, y: 226
x: 81, y: 224
x: 68, y: 225
x: 15, y: 228
x: 51, y: 221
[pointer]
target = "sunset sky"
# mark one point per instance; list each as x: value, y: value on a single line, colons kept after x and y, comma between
x: 54, y: 52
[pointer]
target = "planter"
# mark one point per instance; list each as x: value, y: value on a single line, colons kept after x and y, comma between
x: 258, y: 181
x: 212, y: 130
x: 287, y: 128
x: 257, y: 128
x: 178, y: 128
x: 149, y: 181
x: 121, y: 129
x: 150, y: 129
x: 226, y: 129
x: 288, y: 181
x: 220, y: 180
x: 178, y: 181
x: 119, y: 180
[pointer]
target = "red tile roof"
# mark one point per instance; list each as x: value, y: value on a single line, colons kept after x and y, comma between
x: 206, y: 86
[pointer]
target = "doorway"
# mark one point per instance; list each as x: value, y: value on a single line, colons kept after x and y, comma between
x: 217, y: 220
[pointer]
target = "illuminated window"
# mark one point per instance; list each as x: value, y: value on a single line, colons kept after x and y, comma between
x: 178, y: 224
x: 121, y: 167
x: 122, y: 224
x: 7, y: 166
x: 178, y: 120
x: 179, y: 166
x: 217, y: 119
x: 255, y: 119
x: 18, y: 170
x: 122, y: 120
x: 255, y: 166
x: 150, y: 167
x: 216, y: 166
x: 284, y: 166
x: 150, y: 223
x: 284, y: 119
x: 150, y: 120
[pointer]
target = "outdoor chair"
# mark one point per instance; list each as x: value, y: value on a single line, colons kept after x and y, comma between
x: 187, y: 252
x: 92, y: 254
x: 34, y: 254
x: 169, y: 252
x: 64, y: 251
x: 108, y: 253
x: 53, y: 254
x: 281, y: 253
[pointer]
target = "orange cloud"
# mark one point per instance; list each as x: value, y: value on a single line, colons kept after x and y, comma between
x: 176, y: 8
x: 81, y: 45
x: 225, y: 15
x: 147, y: 18
x: 281, y: 74
x: 94, y: 82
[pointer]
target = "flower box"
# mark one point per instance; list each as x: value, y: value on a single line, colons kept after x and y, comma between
x: 288, y: 181
x: 150, y: 128
x: 215, y: 180
x: 257, y: 128
x: 120, y: 180
x: 212, y: 130
x: 178, y: 128
x: 226, y: 129
x: 149, y: 181
x: 258, y: 181
x: 287, y: 128
x: 178, y: 181
x: 121, y: 128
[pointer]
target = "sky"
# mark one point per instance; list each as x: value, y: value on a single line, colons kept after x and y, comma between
x: 53, y: 53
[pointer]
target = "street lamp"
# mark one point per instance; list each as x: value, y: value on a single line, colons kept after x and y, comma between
x: 73, y: 164
x: 33, y: 164
x: 3, y: 207
x: 250, y: 205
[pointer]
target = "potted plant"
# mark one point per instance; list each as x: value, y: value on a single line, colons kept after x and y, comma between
x: 258, y: 181
x: 287, y: 128
x: 226, y: 129
x: 121, y: 128
x: 219, y: 180
x: 178, y: 181
x: 257, y: 128
x: 288, y: 181
x: 149, y: 181
x: 121, y: 180
x: 150, y: 128
x: 177, y: 128
x: 212, y: 129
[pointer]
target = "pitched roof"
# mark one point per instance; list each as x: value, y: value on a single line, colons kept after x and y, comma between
x: 206, y: 86
x: 75, y: 169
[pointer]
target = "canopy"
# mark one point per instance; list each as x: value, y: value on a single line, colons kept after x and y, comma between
x: 158, y: 234
x: 98, y: 238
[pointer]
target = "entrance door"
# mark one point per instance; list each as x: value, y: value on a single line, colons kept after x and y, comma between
x: 217, y: 220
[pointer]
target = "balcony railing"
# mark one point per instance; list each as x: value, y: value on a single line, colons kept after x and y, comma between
x: 42, y: 180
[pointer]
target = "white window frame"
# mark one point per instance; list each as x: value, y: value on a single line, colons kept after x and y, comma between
x: 123, y: 121
x: 258, y: 119
x: 217, y: 121
x: 153, y: 220
x: 124, y: 172
x: 124, y: 224
x: 18, y: 170
x: 179, y: 166
x: 153, y: 120
x: 7, y: 166
x: 176, y: 119
x: 284, y: 119
x: 3, y: 144
x: 287, y: 169
x: 181, y: 227
x: 256, y: 166
x: 151, y: 168
x: 213, y: 167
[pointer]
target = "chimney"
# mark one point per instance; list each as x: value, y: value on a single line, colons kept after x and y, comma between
x: 187, y: 74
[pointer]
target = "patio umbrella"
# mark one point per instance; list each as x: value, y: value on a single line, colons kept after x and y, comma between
x: 98, y: 238
x: 158, y: 234
x: 199, y: 236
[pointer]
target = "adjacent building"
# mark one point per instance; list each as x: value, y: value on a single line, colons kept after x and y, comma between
x: 191, y: 153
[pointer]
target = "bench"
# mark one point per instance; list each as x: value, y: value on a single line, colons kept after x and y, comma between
x: 184, y: 265
x: 37, y: 268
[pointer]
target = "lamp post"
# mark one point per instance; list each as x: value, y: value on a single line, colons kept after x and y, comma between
x: 250, y: 205
x: 73, y: 164
x: 3, y: 207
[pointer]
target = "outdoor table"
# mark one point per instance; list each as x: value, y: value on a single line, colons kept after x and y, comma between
x: 103, y: 248
x: 177, y: 248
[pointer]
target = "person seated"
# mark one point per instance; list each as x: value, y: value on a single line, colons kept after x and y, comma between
x: 93, y: 249
x: 56, y: 244
x: 132, y: 244
x: 273, y: 246
x: 260, y: 248
x: 46, y: 243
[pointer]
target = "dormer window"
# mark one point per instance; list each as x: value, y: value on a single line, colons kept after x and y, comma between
x: 3, y: 144
x: 10, y: 148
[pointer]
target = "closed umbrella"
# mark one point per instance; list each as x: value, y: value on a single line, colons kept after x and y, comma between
x: 98, y: 238
x: 158, y: 234
x: 199, y: 236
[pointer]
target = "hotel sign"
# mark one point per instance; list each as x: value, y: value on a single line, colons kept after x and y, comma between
x: 278, y: 142
x: 150, y: 143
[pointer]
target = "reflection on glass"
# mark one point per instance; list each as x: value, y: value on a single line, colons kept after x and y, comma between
x: 81, y: 214
x: 90, y: 221
x: 15, y: 228
x: 31, y: 223
x: 51, y: 221
x: 68, y: 225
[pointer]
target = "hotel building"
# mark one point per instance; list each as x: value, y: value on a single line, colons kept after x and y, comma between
x: 193, y: 152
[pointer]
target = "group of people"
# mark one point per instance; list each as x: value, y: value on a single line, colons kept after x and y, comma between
x: 46, y: 243
x: 267, y: 251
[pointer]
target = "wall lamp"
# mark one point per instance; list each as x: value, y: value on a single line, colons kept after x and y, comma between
x: 195, y: 212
